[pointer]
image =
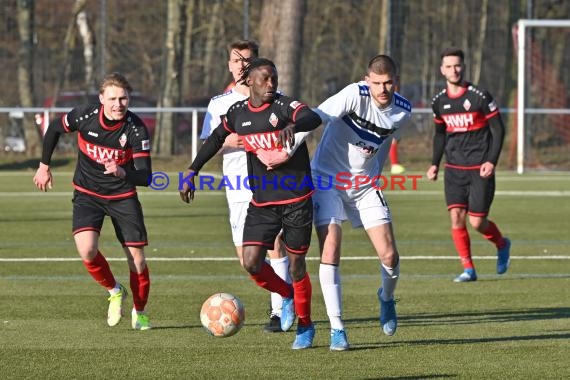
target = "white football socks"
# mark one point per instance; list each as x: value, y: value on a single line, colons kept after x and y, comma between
x: 329, y: 277
x: 389, y: 281
x: 281, y: 268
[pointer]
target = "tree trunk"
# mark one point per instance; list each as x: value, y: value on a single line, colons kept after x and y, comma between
x: 383, y: 46
x: 269, y: 28
x: 68, y: 44
x: 478, y: 54
x: 212, y: 45
x: 289, y: 45
x: 86, y: 33
x: 166, y: 121
x: 369, y: 22
x: 187, y: 60
x: 25, y: 72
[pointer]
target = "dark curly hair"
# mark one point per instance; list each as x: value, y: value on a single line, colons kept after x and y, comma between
x: 252, y: 64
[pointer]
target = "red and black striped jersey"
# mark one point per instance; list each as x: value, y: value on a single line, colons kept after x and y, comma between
x: 466, y: 120
x: 97, y: 142
x: 258, y: 128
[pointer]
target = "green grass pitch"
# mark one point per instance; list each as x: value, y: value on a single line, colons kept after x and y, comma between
x: 53, y: 315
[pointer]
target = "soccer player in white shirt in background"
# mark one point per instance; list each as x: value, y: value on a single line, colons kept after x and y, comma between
x: 360, y: 120
x: 235, y: 169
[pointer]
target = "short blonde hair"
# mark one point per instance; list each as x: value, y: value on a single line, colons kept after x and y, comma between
x: 115, y: 79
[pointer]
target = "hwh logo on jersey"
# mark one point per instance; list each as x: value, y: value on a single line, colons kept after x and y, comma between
x: 100, y: 154
x: 459, y: 121
x: 257, y: 141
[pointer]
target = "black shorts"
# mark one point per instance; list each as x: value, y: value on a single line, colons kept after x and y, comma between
x: 467, y: 189
x: 262, y: 225
x: 126, y: 215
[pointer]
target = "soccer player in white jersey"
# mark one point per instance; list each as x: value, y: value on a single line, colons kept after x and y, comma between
x: 235, y: 169
x: 360, y: 122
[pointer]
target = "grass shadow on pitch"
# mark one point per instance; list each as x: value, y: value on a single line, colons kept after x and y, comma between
x: 177, y: 327
x: 485, y: 316
x: 459, y: 341
x: 460, y: 318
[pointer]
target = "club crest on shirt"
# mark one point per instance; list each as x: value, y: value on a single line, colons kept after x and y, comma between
x: 365, y: 150
x: 273, y: 120
x: 466, y: 104
x: 123, y: 140
x: 145, y: 145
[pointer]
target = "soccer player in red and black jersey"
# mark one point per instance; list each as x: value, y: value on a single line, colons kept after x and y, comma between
x: 113, y: 158
x: 469, y: 129
x: 281, y: 198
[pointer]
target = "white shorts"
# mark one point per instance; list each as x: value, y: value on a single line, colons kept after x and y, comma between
x: 238, y: 212
x: 335, y: 206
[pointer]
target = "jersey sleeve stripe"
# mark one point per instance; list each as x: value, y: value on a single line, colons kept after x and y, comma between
x: 225, y: 125
x: 492, y: 114
x: 65, y: 123
x: 297, y: 110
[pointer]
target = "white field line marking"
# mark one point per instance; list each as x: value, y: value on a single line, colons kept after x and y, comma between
x: 350, y: 258
x: 501, y: 175
x: 512, y: 193
x: 70, y: 193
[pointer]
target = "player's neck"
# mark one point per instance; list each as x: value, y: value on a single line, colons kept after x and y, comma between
x: 455, y: 88
x: 382, y: 106
x: 242, y: 89
x: 110, y: 122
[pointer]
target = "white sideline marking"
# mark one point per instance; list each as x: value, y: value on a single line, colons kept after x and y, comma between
x: 501, y: 175
x: 525, y: 193
x: 70, y: 193
x: 350, y: 258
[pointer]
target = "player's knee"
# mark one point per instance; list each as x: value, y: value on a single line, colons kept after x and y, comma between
x: 251, y: 266
x: 477, y: 223
x: 297, y: 269
x: 389, y: 258
x: 87, y: 253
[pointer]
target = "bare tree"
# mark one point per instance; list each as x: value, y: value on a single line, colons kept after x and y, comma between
x: 86, y: 33
x: 384, y: 24
x: 68, y: 45
x: 163, y: 139
x: 281, y: 31
x: 187, y: 49
x: 25, y: 70
x: 268, y: 27
x: 212, y: 43
x: 478, y: 54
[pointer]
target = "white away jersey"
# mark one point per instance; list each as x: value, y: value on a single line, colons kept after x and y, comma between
x: 235, y: 161
x: 357, y: 135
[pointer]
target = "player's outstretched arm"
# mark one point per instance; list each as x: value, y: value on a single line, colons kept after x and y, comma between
x: 438, y: 150
x: 211, y: 146
x: 43, y: 178
x: 432, y: 173
x: 187, y: 186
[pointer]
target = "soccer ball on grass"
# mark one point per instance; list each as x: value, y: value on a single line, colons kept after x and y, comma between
x: 222, y: 315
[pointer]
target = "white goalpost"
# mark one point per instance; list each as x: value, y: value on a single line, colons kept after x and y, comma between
x: 521, y: 85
